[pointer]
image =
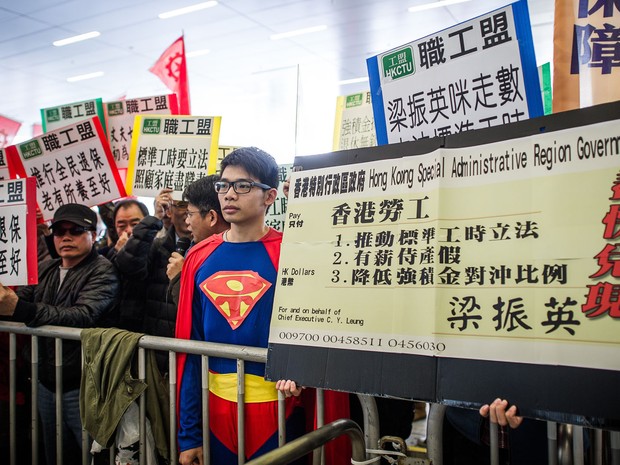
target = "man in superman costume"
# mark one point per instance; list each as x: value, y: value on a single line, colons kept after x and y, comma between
x: 227, y: 291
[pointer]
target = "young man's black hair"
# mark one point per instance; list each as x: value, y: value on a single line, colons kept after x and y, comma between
x: 256, y: 162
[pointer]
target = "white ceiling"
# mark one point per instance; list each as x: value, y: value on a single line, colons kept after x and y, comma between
x: 279, y: 95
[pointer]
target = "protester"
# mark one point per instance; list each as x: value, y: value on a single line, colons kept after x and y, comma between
x: 466, y: 436
x: 142, y: 263
x: 203, y: 219
x: 235, y: 272
x: 127, y: 214
x: 162, y: 203
x: 79, y: 289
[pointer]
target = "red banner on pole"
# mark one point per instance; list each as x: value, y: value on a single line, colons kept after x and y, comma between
x: 171, y: 68
x: 8, y: 130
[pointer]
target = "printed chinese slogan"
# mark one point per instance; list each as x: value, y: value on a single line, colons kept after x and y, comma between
x: 120, y: 118
x: 64, y: 115
x: 276, y: 213
x: 18, y: 243
x: 585, y: 58
x: 504, y: 251
x: 72, y: 164
x: 4, y: 167
x: 477, y: 74
x: 355, y: 125
x: 171, y: 151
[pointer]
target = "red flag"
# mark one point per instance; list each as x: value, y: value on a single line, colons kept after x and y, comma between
x: 8, y: 130
x: 37, y: 130
x: 171, y: 68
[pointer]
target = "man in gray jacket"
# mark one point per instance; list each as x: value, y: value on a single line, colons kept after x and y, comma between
x: 81, y: 290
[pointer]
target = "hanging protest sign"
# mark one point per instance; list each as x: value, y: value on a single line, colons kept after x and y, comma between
x: 18, y: 232
x: 72, y: 164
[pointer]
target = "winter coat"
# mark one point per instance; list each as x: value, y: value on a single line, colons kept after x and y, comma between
x: 87, y: 297
x: 132, y: 263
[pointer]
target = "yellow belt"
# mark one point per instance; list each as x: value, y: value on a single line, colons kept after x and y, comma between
x: 224, y: 385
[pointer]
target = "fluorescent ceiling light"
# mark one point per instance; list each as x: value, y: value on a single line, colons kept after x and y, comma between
x: 352, y: 81
x: 197, y: 53
x: 79, y: 38
x: 187, y: 9
x: 82, y: 77
x: 298, y: 32
x: 430, y: 6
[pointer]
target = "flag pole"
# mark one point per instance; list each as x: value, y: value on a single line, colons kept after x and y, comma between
x: 297, y: 107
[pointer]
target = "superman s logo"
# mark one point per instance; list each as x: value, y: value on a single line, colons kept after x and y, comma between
x: 234, y: 293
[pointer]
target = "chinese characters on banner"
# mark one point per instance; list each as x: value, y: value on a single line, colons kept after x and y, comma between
x: 63, y: 115
x: 171, y: 151
x: 477, y: 74
x: 18, y: 232
x: 222, y: 151
x: 72, y: 164
x: 355, y: 125
x: 504, y: 251
x: 4, y: 167
x: 586, y: 55
x: 120, y: 117
x: 276, y: 211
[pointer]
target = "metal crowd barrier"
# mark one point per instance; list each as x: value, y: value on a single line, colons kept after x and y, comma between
x: 205, y: 349
x: 569, y: 450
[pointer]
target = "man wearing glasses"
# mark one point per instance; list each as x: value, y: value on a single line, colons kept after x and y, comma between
x: 203, y: 218
x: 227, y: 291
x: 81, y: 290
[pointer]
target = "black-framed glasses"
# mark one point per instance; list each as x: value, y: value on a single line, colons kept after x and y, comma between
x: 74, y: 231
x: 242, y: 186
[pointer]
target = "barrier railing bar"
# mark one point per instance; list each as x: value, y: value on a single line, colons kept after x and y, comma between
x: 172, y: 404
x: 85, y: 441
x: 434, y: 433
x: 281, y: 419
x: 313, y: 440
x: 12, y: 395
x: 598, y: 447
x: 614, y: 440
x: 58, y: 364
x: 318, y: 456
x: 552, y: 443
x: 34, y: 386
x: 206, y: 437
x: 240, y: 412
x: 578, y: 449
x: 142, y: 401
x: 494, y: 443
x: 371, y: 417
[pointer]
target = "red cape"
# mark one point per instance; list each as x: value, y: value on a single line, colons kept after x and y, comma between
x: 337, y: 452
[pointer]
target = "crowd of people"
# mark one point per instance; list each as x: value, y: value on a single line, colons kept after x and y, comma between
x: 202, y: 268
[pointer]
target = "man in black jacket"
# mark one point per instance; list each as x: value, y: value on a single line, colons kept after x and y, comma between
x: 80, y: 289
x: 142, y: 263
